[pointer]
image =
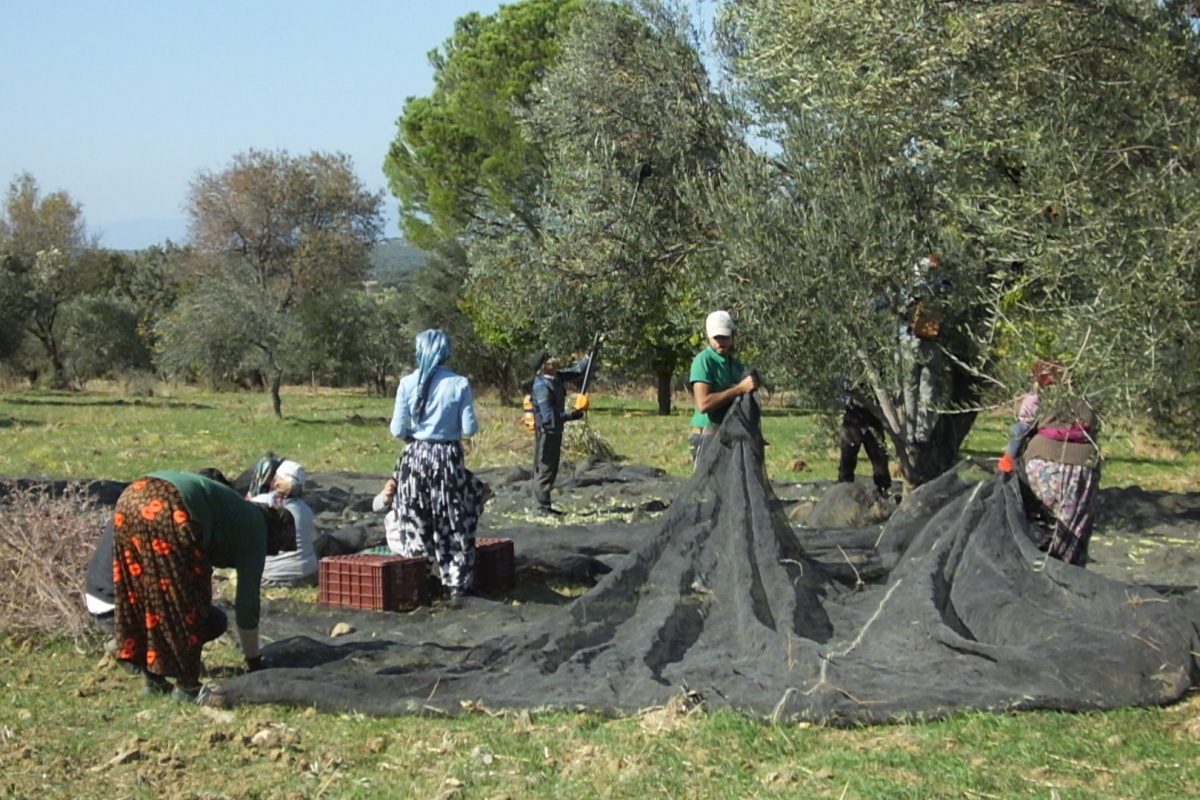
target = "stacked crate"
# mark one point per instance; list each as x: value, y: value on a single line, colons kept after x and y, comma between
x: 374, y: 582
x: 495, y: 566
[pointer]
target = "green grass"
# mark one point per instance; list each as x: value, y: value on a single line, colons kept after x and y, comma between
x: 100, y: 434
x: 74, y: 725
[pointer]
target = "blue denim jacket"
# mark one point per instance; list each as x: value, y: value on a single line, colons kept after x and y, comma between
x: 449, y: 408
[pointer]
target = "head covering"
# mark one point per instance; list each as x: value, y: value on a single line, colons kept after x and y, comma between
x: 433, y: 348
x: 719, y: 323
x: 537, y: 359
x: 1047, y: 373
x: 925, y: 265
x: 293, y: 475
x: 264, y: 473
x: 281, y: 530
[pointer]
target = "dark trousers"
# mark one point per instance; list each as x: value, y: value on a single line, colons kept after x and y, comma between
x: 854, y: 438
x: 547, y: 447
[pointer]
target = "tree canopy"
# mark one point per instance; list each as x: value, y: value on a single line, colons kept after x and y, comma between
x: 626, y: 118
x: 44, y: 263
x: 459, y: 161
x: 1046, y: 152
x: 281, y: 232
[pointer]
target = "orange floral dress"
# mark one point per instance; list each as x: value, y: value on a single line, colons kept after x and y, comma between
x: 163, y: 581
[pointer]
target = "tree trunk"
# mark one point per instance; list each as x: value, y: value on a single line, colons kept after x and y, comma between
x: 922, y: 461
x: 58, y: 373
x: 276, y: 402
x: 663, y: 380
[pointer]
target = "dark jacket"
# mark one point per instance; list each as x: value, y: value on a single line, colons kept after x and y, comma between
x: 549, y: 398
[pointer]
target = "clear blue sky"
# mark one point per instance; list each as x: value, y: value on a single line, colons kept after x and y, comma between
x: 121, y: 102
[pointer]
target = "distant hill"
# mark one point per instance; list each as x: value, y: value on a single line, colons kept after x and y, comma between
x: 392, y: 259
x: 132, y: 235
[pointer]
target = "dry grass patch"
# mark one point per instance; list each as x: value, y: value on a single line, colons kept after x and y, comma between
x: 46, y: 542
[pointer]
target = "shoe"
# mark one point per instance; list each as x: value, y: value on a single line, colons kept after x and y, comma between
x: 196, y: 694
x: 155, y: 685
x: 548, y: 511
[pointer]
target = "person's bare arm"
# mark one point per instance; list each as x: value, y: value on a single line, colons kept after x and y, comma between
x: 708, y: 401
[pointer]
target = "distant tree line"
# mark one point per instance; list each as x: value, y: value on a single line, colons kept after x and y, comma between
x: 276, y: 283
x: 586, y: 165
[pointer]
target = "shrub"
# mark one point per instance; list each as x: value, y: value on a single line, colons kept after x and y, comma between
x: 46, y: 542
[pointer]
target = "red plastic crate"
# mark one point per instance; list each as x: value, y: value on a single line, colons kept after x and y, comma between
x: 495, y: 565
x: 374, y: 582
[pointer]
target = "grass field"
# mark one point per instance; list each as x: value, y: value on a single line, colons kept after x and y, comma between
x: 105, y: 435
x: 72, y: 724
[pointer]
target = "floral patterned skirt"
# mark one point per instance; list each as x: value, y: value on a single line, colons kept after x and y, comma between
x: 1067, y: 495
x: 438, y: 501
x: 163, y: 582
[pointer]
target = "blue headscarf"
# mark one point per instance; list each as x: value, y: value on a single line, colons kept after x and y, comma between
x: 433, y: 348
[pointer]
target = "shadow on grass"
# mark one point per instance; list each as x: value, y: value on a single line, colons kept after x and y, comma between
x: 685, y: 412
x: 353, y: 419
x: 1139, y: 460
x: 88, y: 402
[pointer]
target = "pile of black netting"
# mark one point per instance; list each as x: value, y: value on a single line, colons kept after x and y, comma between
x: 720, y: 601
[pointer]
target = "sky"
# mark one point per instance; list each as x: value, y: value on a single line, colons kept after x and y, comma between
x: 121, y: 103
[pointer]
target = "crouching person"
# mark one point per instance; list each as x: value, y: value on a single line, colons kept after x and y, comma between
x: 170, y: 529
x: 298, y: 567
x: 101, y: 601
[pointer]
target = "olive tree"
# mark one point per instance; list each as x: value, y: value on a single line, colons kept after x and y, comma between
x: 45, y: 263
x: 625, y: 117
x: 1044, y: 152
x: 280, y: 229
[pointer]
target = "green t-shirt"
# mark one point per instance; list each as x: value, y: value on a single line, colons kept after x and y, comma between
x: 234, y: 534
x: 720, y: 373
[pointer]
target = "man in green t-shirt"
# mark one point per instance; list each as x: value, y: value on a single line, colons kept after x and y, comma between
x: 717, y: 379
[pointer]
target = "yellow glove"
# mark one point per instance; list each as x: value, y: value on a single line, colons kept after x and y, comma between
x: 581, y: 403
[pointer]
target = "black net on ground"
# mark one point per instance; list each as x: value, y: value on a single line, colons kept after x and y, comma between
x: 721, y: 602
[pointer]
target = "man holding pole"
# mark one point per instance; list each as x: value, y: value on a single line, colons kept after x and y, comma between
x: 549, y: 398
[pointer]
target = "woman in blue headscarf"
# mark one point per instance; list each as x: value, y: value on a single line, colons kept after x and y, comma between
x: 436, y: 500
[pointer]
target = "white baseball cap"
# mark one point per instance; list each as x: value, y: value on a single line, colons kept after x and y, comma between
x: 719, y: 323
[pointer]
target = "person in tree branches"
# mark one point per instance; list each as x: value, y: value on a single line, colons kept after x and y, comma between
x: 549, y: 398
x: 717, y: 379
x: 919, y: 352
